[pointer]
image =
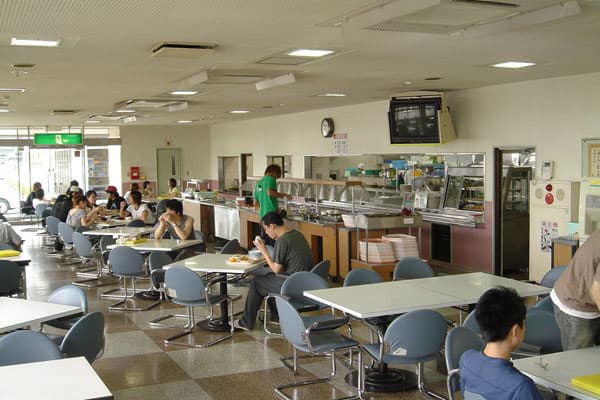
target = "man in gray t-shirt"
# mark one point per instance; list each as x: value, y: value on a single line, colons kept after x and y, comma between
x: 292, y: 254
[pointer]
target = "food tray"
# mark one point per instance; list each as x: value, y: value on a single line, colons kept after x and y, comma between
x: 250, y: 261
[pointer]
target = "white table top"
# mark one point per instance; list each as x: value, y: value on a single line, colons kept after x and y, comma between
x: 469, y: 287
x: 111, y: 222
x: 121, y: 231
x: 20, y: 259
x: 19, y: 313
x: 388, y: 298
x: 216, y: 263
x: 64, y: 379
x: 160, y: 245
x: 561, y: 367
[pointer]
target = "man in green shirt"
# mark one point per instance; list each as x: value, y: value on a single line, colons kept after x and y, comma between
x: 266, y: 195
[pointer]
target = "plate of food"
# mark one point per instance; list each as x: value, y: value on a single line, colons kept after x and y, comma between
x: 242, y: 259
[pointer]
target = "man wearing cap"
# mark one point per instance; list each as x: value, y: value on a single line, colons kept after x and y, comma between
x: 114, y: 200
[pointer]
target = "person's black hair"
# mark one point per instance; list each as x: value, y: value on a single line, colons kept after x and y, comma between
x: 74, y: 183
x: 172, y: 182
x: 39, y: 194
x: 136, y: 197
x: 272, y: 217
x: 174, y: 205
x: 274, y: 170
x: 497, y: 311
x: 90, y: 192
x: 145, y: 184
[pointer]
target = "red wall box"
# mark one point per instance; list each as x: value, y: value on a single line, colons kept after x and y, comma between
x: 134, y: 172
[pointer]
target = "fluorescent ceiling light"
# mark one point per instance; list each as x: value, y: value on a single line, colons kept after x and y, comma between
x: 239, y: 111
x: 90, y: 121
x: 310, y: 53
x: 130, y: 118
x: 183, y: 93
x: 34, y: 42
x: 332, y: 95
x: 11, y: 90
x: 185, y: 121
x: 4, y: 110
x: 513, y: 64
x: 277, y: 81
x: 124, y: 110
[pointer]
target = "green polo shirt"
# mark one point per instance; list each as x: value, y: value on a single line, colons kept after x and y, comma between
x: 261, y: 193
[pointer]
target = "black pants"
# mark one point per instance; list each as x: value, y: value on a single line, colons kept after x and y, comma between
x: 260, y: 287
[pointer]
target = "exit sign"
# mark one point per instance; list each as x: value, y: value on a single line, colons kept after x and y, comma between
x: 57, y: 139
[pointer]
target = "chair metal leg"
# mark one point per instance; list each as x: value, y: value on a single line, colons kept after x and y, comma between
x: 421, y: 383
x: 116, y: 306
x: 265, y: 313
x: 192, y: 324
x: 94, y: 280
x: 158, y: 321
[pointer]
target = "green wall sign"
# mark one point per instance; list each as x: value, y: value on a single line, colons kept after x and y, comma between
x: 57, y: 139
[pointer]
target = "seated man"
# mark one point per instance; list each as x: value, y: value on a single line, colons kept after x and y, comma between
x: 500, y: 313
x: 292, y: 254
x: 177, y: 225
x: 114, y: 200
x: 9, y: 237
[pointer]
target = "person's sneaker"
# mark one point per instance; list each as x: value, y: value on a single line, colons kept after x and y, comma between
x: 239, y: 325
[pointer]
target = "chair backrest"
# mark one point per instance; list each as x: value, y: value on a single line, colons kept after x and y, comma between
x: 69, y: 295
x: 65, y: 232
x: 82, y: 229
x: 459, y: 340
x: 52, y: 225
x: 471, y: 323
x: 161, y: 207
x: 39, y: 209
x: 362, y: 276
x: 106, y: 241
x: 85, y: 338
x: 83, y: 246
x: 545, y: 304
x: 412, y: 268
x: 295, y: 285
x: 231, y: 247
x: 136, y: 223
x: 417, y: 335
x: 291, y: 324
x: 125, y: 261
x: 550, y: 277
x: 22, y: 347
x: 10, y: 277
x: 322, y: 269
x: 542, y: 331
x: 472, y: 396
x: 186, y: 284
x: 200, y: 236
x: 159, y: 259
x: 7, y: 246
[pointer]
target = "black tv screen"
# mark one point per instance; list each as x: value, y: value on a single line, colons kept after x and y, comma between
x: 414, y: 121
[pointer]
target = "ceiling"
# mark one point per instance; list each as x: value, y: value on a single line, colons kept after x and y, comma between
x: 105, y: 57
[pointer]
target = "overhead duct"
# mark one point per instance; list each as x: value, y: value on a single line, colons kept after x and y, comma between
x: 183, y: 50
x: 277, y: 81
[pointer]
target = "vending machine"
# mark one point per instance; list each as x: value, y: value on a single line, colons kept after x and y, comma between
x: 553, y: 205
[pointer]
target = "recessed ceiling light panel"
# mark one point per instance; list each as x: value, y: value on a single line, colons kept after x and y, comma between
x: 124, y: 110
x: 11, y: 90
x: 332, y: 95
x: 185, y: 121
x: 91, y: 121
x: 4, y: 110
x: 513, y: 64
x: 183, y: 93
x: 239, y: 111
x: 34, y: 42
x: 310, y: 53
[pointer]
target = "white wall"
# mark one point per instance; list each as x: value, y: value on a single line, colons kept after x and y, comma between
x: 139, y: 144
x: 551, y: 114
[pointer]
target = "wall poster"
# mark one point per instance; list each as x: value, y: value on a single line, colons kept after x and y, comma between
x: 548, y: 231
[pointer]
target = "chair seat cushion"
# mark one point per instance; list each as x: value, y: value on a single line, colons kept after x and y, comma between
x: 64, y: 323
x: 212, y: 299
x: 302, y: 305
x: 326, y: 341
x: 374, y: 348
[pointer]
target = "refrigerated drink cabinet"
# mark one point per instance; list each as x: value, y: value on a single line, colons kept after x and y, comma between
x: 553, y: 204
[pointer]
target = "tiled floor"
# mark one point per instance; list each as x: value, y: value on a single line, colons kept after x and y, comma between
x: 137, y: 365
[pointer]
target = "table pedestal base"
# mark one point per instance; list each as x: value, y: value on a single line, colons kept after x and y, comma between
x: 215, y: 325
x: 151, y: 295
x: 392, y: 380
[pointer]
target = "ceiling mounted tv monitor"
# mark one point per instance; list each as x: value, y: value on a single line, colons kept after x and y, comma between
x: 419, y: 120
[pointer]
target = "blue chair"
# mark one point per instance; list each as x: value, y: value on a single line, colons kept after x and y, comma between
x: 23, y: 347
x: 459, y: 340
x: 161, y: 207
x: 65, y: 234
x: 362, y: 276
x: 471, y: 323
x: 69, y: 295
x: 85, y: 338
x: 11, y: 278
x: 52, y: 226
x: 550, y: 277
x: 39, y: 210
x: 293, y: 288
x: 201, y: 248
x: 545, y: 304
x: 189, y: 290
x: 322, y: 269
x: 542, y: 332
x: 317, y: 338
x: 412, y: 338
x: 411, y: 268
x: 127, y: 263
x: 231, y: 247
x: 87, y: 252
x: 136, y: 223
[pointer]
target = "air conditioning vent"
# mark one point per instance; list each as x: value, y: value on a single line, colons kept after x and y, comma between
x: 183, y: 50
x: 489, y: 3
x: 63, y: 112
x: 106, y: 117
x: 154, y: 103
x: 23, y: 66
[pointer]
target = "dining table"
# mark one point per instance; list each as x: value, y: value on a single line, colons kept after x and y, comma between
x: 158, y: 244
x: 18, y: 313
x: 124, y: 231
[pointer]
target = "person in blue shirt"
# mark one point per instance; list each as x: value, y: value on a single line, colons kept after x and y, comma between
x: 500, y: 313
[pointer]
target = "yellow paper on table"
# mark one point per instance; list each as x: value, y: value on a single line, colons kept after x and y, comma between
x: 136, y: 241
x: 9, y: 253
x: 588, y: 382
